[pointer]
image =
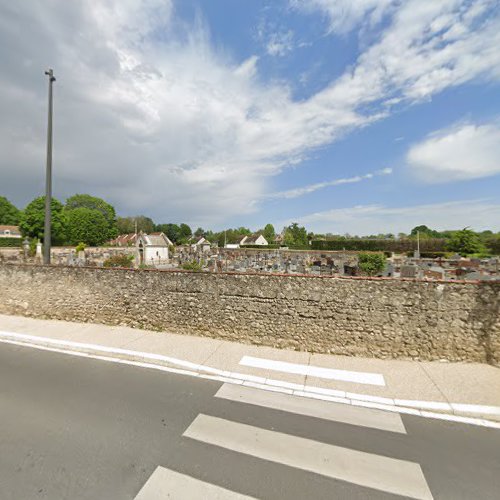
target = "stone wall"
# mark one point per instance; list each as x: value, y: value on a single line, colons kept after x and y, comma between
x: 63, y: 256
x: 367, y: 317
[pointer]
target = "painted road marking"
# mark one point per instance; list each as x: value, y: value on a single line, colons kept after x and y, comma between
x: 165, y: 483
x: 151, y: 361
x: 314, y: 371
x: 365, y: 469
x: 326, y: 410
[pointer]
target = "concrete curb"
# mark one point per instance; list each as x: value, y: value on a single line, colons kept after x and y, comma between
x: 455, y: 412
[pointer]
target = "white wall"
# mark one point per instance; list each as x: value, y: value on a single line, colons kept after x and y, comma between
x: 155, y: 254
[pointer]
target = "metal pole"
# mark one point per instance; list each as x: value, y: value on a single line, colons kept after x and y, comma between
x: 48, y: 179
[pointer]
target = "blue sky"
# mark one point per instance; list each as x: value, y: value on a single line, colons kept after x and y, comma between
x: 349, y: 117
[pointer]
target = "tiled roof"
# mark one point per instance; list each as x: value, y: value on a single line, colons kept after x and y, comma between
x: 12, y: 229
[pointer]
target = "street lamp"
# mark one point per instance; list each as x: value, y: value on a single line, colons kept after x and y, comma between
x: 48, y: 179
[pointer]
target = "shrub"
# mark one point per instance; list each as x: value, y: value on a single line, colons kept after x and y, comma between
x: 80, y: 247
x: 10, y: 242
x: 372, y: 263
x: 193, y: 266
x: 119, y: 260
x: 33, y: 244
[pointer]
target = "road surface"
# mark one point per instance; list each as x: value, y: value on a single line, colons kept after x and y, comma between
x: 79, y: 428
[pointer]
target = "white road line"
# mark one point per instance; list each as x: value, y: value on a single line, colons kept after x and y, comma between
x: 165, y: 483
x: 150, y: 361
x: 365, y: 469
x: 314, y: 371
x: 363, y: 417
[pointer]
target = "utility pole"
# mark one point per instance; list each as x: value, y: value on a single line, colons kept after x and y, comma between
x: 48, y: 179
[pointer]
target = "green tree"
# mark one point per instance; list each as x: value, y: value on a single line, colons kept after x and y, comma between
x: 424, y: 232
x: 184, y: 233
x: 372, y: 263
x: 33, y: 219
x: 127, y: 225
x: 465, y: 242
x: 172, y: 231
x: 199, y: 232
x: 88, y: 226
x: 94, y: 203
x: 296, y: 235
x: 9, y: 214
x: 269, y: 233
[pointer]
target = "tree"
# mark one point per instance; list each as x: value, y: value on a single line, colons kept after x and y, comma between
x: 9, y: 214
x: 33, y: 219
x: 172, y: 231
x: 94, y: 203
x: 424, y: 232
x: 269, y: 233
x: 372, y: 263
x: 127, y: 225
x: 86, y: 225
x: 199, y: 232
x: 465, y: 242
x: 184, y: 232
x: 295, y: 235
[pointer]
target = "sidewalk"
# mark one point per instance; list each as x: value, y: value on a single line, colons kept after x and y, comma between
x: 424, y: 388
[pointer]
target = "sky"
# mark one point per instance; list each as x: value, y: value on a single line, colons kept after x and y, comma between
x: 359, y: 117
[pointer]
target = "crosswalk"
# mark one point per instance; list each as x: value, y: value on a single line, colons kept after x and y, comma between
x: 165, y: 483
x: 314, y: 371
x: 369, y: 470
x: 363, y: 417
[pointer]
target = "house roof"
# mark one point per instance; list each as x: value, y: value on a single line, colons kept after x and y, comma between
x: 12, y: 229
x: 155, y: 239
x: 124, y: 239
x: 250, y: 239
x: 201, y: 241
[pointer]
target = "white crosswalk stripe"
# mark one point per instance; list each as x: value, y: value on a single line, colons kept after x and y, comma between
x: 314, y: 371
x: 168, y: 484
x: 364, y: 469
x: 353, y: 415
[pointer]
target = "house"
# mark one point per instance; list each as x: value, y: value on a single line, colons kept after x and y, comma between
x: 254, y: 239
x: 152, y: 248
x: 124, y: 240
x: 201, y: 243
x: 10, y: 232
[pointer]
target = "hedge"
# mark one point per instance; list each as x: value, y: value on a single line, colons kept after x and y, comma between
x: 432, y: 255
x: 261, y: 247
x: 493, y: 244
x: 399, y: 246
x: 11, y: 242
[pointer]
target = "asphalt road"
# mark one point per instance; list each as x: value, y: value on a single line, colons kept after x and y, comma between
x: 78, y: 428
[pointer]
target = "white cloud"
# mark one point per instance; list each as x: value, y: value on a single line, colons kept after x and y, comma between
x: 376, y: 219
x: 311, y: 188
x: 344, y: 15
x: 150, y: 115
x: 280, y: 44
x: 465, y: 151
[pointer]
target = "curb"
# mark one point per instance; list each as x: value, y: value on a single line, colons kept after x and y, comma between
x: 454, y: 412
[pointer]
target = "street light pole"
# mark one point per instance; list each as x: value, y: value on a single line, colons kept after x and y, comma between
x: 48, y: 179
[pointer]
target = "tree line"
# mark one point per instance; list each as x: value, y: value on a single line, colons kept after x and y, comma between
x: 93, y: 221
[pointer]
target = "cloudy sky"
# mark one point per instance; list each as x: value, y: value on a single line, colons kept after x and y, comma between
x: 360, y: 117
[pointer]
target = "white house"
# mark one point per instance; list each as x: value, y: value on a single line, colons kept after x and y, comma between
x: 152, y: 249
x: 254, y: 239
x: 201, y: 244
x: 10, y: 232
